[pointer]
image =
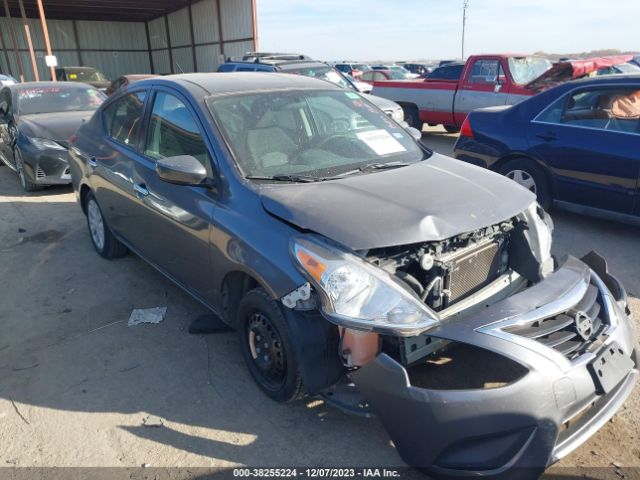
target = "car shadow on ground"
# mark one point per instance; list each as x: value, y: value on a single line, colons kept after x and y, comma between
x: 73, y: 373
x: 78, y: 387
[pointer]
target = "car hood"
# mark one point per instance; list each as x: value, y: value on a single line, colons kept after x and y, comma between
x: 58, y: 126
x: 382, y: 103
x: 429, y: 201
x: 564, y: 71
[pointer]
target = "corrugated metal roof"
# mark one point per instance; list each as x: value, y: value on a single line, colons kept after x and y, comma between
x: 120, y: 10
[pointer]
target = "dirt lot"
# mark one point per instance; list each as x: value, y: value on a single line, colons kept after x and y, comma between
x: 77, y: 385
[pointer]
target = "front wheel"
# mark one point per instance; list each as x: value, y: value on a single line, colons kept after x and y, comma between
x: 412, y: 116
x: 267, y: 347
x: 105, y: 243
x: 26, y: 184
x: 528, y: 174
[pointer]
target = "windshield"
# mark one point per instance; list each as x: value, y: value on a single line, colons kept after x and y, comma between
x: 526, y: 69
x: 311, y: 132
x: 84, y: 75
x: 324, y: 73
x: 628, y: 68
x: 34, y: 100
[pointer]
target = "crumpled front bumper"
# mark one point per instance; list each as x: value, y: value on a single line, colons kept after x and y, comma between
x: 526, y: 425
x: 46, y: 167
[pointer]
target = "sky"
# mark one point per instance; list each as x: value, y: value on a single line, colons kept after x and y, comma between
x: 431, y: 29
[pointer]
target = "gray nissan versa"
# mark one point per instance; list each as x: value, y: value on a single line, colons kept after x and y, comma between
x: 354, y: 262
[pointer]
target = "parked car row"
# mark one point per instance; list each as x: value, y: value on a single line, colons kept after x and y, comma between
x: 356, y: 264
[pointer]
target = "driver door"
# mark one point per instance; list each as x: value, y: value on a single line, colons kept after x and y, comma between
x: 6, y: 152
x: 169, y: 223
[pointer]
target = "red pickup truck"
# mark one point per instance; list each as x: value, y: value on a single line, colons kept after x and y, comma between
x: 486, y: 81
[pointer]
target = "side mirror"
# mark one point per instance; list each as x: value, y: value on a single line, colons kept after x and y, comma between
x: 414, y: 132
x: 181, y: 170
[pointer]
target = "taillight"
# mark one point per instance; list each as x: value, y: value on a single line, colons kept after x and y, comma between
x: 465, y: 129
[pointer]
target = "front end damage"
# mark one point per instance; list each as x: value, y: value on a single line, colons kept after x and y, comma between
x: 527, y: 357
x: 526, y: 418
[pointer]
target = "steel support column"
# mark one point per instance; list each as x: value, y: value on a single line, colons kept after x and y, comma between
x: 47, y: 42
x: 27, y: 33
x: 14, y: 40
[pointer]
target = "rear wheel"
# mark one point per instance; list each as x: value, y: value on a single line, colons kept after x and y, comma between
x: 451, y: 129
x: 27, y: 185
x: 267, y: 347
x: 412, y: 116
x: 527, y: 173
x: 105, y: 243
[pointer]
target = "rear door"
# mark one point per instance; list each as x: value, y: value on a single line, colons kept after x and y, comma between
x: 170, y: 223
x: 110, y: 155
x: 593, y: 153
x: 484, y: 85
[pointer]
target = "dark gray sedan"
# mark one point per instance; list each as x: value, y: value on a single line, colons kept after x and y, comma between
x: 36, y: 121
x: 359, y: 266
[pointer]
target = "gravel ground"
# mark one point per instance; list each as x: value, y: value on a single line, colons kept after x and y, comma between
x: 80, y: 388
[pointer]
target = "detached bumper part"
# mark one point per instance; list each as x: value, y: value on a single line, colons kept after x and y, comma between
x: 535, y: 420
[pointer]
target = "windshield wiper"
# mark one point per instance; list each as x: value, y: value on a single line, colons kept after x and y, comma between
x: 286, y: 178
x: 382, y: 166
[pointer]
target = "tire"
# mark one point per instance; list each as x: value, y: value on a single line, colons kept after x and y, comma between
x: 267, y: 347
x: 26, y: 184
x: 451, y: 129
x: 528, y: 174
x: 412, y: 116
x: 105, y: 243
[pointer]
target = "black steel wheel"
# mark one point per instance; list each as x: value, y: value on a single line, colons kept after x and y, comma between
x: 267, y: 347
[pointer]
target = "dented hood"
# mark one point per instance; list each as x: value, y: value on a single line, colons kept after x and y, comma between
x: 565, y: 71
x: 428, y: 201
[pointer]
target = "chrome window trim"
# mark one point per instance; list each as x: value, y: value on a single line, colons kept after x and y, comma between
x: 571, y: 92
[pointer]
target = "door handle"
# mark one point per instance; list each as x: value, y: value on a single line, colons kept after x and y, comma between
x: 141, y: 190
x: 92, y: 162
x: 549, y: 136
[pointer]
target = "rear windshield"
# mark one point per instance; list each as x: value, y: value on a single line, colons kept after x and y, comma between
x: 34, y: 100
x: 526, y: 69
x: 84, y: 75
x: 323, y: 72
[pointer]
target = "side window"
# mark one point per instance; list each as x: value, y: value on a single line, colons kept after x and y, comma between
x: 616, y: 109
x: 123, y: 118
x: 173, y: 131
x: 485, y: 72
x: 246, y: 69
x: 377, y: 76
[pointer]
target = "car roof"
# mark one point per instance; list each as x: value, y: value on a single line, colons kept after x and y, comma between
x: 204, y: 84
x: 608, y: 79
x: 64, y: 85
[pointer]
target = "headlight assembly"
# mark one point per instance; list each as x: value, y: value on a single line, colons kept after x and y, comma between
x: 398, y: 115
x: 45, y: 144
x: 358, y: 295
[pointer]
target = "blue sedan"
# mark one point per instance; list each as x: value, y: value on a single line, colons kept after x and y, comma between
x: 576, y: 145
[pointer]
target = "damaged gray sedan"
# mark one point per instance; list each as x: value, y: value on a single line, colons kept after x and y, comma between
x: 357, y: 264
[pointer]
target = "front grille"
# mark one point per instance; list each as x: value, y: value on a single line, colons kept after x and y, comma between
x: 40, y: 173
x: 473, y: 270
x: 570, y: 332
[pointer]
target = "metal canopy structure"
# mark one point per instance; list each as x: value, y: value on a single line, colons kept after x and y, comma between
x: 116, y: 10
x: 123, y: 36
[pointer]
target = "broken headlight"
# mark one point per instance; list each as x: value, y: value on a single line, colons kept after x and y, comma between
x: 359, y: 295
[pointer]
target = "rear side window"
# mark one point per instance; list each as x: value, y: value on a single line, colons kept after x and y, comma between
x: 173, y: 130
x: 226, y: 67
x: 616, y: 109
x: 447, y: 73
x: 123, y: 118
